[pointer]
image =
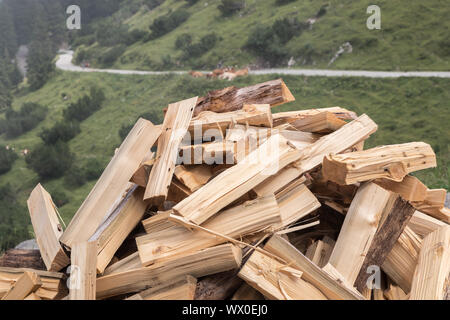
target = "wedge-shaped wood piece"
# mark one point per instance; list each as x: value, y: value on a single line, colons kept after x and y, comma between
x: 277, y: 281
x: 336, y: 142
x: 402, y: 260
x: 331, y: 288
x: 193, y: 177
x: 280, y: 118
x: 113, y: 232
x: 324, y: 122
x: 173, y: 290
x: 392, y: 162
x: 295, y: 202
x: 268, y: 159
x: 431, y: 278
x: 198, y: 264
x: 385, y: 238
x: 358, y: 230
x: 47, y: 229
x: 434, y: 205
x: 52, y: 287
x: 112, y: 184
x: 423, y: 224
x: 250, y: 217
x: 83, y: 271
x: 410, y: 188
x: 140, y: 177
x: 131, y: 262
x: 273, y: 92
x: 176, y: 123
x: 245, y: 292
x: 28, y: 283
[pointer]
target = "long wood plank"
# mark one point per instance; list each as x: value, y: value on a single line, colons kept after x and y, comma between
x: 231, y: 184
x: 358, y: 230
x: 273, y: 92
x: 391, y: 162
x: 113, y: 232
x: 83, y: 271
x: 176, y: 123
x: 112, y: 184
x: 47, y: 229
x: 431, y: 278
x: 250, y: 217
x: 198, y: 264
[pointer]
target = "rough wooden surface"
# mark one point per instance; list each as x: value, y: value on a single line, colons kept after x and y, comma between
x: 83, y: 271
x: 218, y: 286
x: 22, y: 259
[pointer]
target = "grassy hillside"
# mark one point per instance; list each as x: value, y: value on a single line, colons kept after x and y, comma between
x: 405, y: 109
x: 413, y: 35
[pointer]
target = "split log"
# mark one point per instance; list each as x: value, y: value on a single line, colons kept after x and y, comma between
x: 319, y: 253
x: 358, y: 230
x: 277, y: 281
x: 331, y: 288
x: 402, y: 260
x: 198, y: 264
x: 269, y: 158
x: 431, y: 278
x: 28, y: 283
x: 176, y: 123
x: 33, y: 296
x: 434, y: 205
x: 251, y: 217
x: 140, y: 177
x: 131, y: 262
x: 223, y: 152
x: 15, y: 258
x: 392, y: 162
x: 112, y: 184
x: 193, y: 177
x: 230, y: 99
x: 83, y: 271
x: 423, y: 224
x: 280, y: 118
x: 394, y: 293
x: 277, y: 182
x: 324, y: 122
x: 113, y: 232
x: 218, y: 286
x: 410, y: 188
x: 178, y: 290
x: 385, y: 238
x: 245, y: 292
x: 47, y: 229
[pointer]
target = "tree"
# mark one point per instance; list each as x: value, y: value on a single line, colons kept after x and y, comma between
x: 7, y: 158
x: 8, y: 40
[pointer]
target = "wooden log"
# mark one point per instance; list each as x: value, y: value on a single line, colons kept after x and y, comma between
x: 28, y: 283
x: 276, y: 183
x: 199, y: 264
x: 410, y: 188
x: 176, y: 123
x: 220, y: 286
x: 245, y: 292
x: 33, y: 296
x: 269, y: 158
x: 385, y: 238
x: 251, y: 217
x: 319, y: 253
x: 324, y: 122
x: 140, y: 177
x: 331, y: 288
x: 358, y: 230
x: 402, y: 260
x: 392, y: 162
x: 15, y: 258
x: 113, y: 232
x: 112, y: 184
x: 277, y: 281
x: 193, y: 177
x: 183, y: 289
x: 83, y: 271
x: 423, y: 224
x: 223, y: 152
x: 280, y: 118
x: 131, y: 262
x: 230, y: 99
x: 47, y: 229
x: 434, y: 205
x: 52, y: 287
x: 431, y: 277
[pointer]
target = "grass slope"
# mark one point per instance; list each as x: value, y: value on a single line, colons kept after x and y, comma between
x: 414, y: 34
x: 405, y: 109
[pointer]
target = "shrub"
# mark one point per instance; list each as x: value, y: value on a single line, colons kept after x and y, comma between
x: 7, y: 158
x: 110, y: 56
x: 285, y: 29
x: 110, y: 33
x: 85, y: 106
x: 191, y: 2
x: 264, y: 43
x: 60, y: 198
x: 183, y: 41
x: 61, y: 131
x: 135, y: 35
x: 168, y: 22
x: 198, y: 49
x: 93, y: 169
x: 229, y: 7
x: 322, y: 11
x: 282, y: 2
x: 26, y: 119
x: 152, y: 4
x: 50, y: 161
x: 75, y: 177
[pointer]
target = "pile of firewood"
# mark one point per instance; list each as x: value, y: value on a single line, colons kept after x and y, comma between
x: 239, y: 203
x: 223, y: 74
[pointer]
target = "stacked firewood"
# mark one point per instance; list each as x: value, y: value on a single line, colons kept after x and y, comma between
x: 241, y: 203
